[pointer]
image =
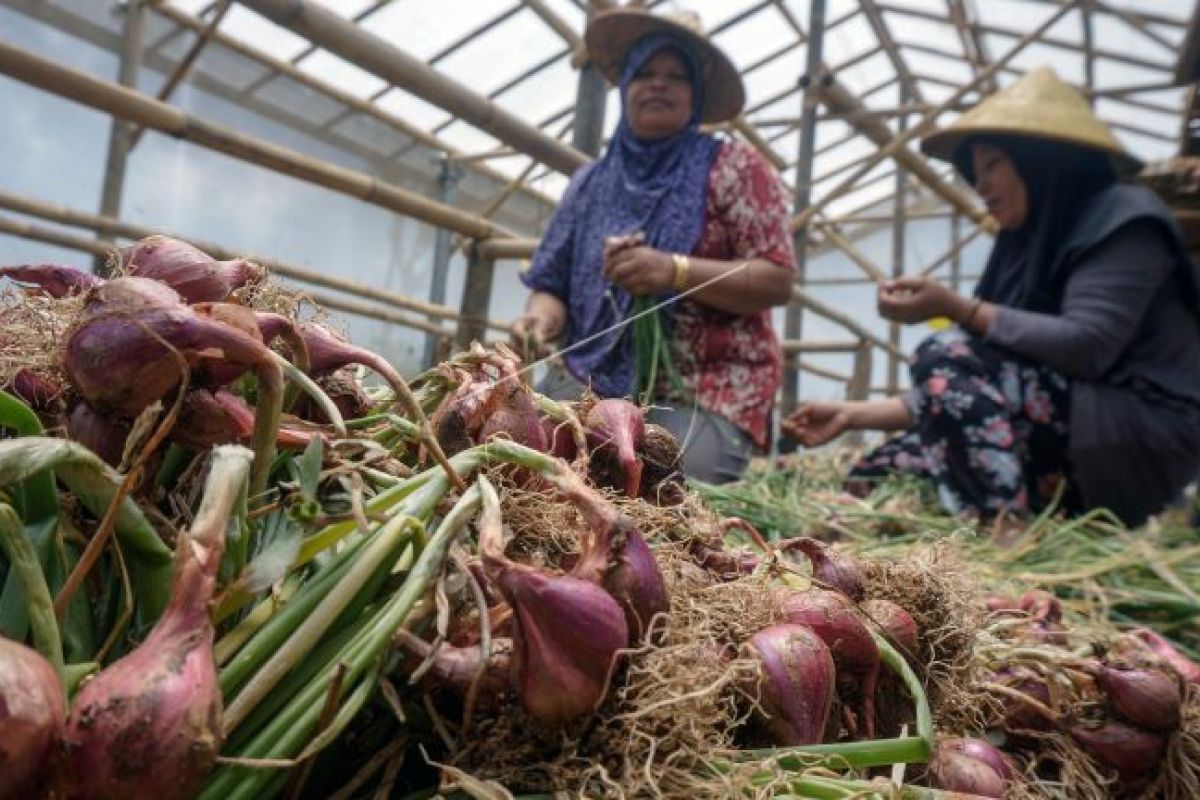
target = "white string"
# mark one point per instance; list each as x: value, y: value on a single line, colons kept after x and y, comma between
x: 617, y: 326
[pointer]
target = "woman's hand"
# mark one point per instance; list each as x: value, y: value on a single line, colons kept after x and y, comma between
x: 916, y: 298
x: 529, y: 335
x: 639, y: 269
x: 814, y: 424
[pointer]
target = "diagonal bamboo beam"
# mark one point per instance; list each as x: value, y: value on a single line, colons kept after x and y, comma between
x: 926, y: 123
x: 837, y: 96
x: 1139, y: 24
x: 376, y: 55
x: 884, y: 35
x: 973, y: 43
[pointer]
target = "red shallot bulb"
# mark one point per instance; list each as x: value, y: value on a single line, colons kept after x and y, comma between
x: 897, y: 624
x: 197, y: 276
x: 617, y: 427
x: 1161, y: 646
x: 455, y: 668
x: 33, y: 708
x: 567, y: 632
x: 958, y: 768
x: 833, y: 618
x: 120, y: 358
x: 795, y: 685
x: 830, y: 568
x: 1149, y: 698
x: 55, y: 280
x: 149, y: 725
x: 1130, y: 751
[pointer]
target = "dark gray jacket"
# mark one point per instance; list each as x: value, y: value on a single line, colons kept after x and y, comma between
x: 1128, y: 338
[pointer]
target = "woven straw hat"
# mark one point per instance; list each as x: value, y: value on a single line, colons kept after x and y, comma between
x: 1038, y: 106
x: 611, y: 33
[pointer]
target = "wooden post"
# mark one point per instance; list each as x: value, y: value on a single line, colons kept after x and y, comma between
x: 121, y: 133
x: 448, y: 177
x: 898, y: 225
x: 476, y: 297
x: 591, y: 92
x: 956, y: 249
x: 859, y: 387
x: 793, y: 322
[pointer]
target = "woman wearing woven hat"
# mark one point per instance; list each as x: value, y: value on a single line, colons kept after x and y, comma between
x: 669, y: 215
x: 1074, y: 370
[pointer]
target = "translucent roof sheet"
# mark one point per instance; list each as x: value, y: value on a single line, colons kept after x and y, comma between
x: 510, y: 51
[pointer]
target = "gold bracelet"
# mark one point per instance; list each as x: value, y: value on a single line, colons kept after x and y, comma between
x: 683, y: 268
x: 975, y: 304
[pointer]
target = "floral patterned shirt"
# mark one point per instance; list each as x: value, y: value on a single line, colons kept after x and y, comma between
x: 732, y: 363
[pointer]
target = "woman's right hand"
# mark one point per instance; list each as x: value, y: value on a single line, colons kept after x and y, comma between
x: 814, y: 424
x: 530, y: 334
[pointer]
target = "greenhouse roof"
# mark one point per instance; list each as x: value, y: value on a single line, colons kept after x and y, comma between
x: 889, y: 57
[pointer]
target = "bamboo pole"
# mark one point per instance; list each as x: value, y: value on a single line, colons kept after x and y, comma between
x: 136, y: 107
x: 327, y: 29
x: 27, y: 230
x: 815, y: 369
x: 117, y: 227
x: 955, y: 249
x: 816, y: 346
x: 802, y: 297
x: 928, y: 120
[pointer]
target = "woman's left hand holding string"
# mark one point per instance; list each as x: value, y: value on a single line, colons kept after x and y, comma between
x: 639, y: 270
x: 916, y: 298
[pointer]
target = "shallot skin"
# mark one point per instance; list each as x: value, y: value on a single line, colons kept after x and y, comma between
x: 796, y: 688
x: 146, y: 727
x: 32, y: 711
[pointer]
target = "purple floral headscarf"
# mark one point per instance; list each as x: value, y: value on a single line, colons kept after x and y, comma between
x: 657, y: 187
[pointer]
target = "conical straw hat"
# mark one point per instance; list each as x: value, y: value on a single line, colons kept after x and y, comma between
x: 611, y: 33
x: 1038, y: 106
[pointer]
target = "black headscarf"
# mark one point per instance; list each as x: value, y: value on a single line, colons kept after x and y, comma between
x: 1024, y: 269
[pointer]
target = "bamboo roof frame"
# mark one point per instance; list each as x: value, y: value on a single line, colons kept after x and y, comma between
x: 876, y: 12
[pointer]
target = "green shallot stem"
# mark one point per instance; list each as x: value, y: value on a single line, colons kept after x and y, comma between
x: 230, y: 643
x: 74, y: 673
x: 383, y: 545
x: 267, y: 415
x: 291, y: 727
x: 95, y: 485
x: 310, y: 387
x: 16, y: 546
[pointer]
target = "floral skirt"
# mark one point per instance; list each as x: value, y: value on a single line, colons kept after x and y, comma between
x: 990, y: 431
